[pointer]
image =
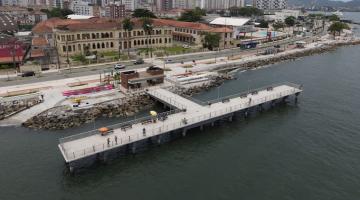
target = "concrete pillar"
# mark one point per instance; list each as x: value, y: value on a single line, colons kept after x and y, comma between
x: 133, y: 148
x: 261, y: 107
x: 159, y: 139
x: 201, y: 127
x: 184, y: 133
x: 230, y: 118
x: 272, y: 103
x: 213, y: 124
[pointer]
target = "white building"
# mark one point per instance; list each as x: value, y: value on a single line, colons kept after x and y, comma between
x: 238, y: 24
x: 82, y: 8
x: 270, y: 4
x: 281, y: 15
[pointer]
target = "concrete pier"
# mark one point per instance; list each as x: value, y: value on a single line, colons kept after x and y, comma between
x: 187, y: 114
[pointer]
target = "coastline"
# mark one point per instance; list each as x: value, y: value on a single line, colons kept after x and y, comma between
x: 63, y: 117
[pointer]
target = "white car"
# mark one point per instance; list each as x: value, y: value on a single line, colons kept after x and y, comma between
x: 185, y: 46
x: 119, y: 66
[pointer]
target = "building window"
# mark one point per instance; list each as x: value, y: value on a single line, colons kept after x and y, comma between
x: 94, y: 46
x: 79, y: 47
x: 111, y: 44
x: 78, y: 36
x: 98, y: 46
x: 64, y: 48
x: 111, y: 34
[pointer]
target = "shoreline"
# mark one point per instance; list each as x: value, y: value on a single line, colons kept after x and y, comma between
x: 60, y: 118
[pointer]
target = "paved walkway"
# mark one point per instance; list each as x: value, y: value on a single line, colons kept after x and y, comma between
x: 86, y: 144
x: 52, y: 98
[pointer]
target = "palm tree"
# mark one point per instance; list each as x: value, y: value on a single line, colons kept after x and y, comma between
x: 338, y: 27
x: 148, y: 28
x: 128, y: 26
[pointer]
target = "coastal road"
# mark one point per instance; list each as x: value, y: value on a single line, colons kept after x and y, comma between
x: 92, y: 70
x: 230, y: 52
x: 74, y: 72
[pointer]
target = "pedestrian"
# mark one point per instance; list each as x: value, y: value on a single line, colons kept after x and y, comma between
x: 108, y: 141
x: 42, y: 97
x: 144, y: 132
x: 115, y: 139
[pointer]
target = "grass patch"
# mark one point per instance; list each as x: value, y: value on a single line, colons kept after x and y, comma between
x: 187, y: 66
x: 110, y: 54
x: 79, y: 58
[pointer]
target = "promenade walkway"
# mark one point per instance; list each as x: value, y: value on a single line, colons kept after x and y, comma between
x: 86, y: 144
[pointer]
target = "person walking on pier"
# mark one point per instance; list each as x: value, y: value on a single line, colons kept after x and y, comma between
x: 115, y: 139
x: 108, y: 141
x: 144, y: 132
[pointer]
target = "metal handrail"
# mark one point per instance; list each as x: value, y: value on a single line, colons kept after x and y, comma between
x: 239, y: 94
x: 115, y: 126
x: 127, y: 139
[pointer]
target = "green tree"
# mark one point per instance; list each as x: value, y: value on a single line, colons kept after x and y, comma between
x: 194, y: 15
x: 245, y: 11
x: 211, y: 41
x: 334, y: 18
x: 147, y: 25
x: 128, y: 26
x: 141, y: 13
x: 290, y: 21
x: 264, y: 24
x: 57, y: 12
x: 278, y: 25
x: 337, y: 27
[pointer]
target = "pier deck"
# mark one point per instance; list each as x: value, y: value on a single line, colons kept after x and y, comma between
x: 83, y: 145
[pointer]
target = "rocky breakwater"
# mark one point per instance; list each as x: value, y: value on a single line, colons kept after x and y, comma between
x: 8, y: 108
x: 285, y: 56
x: 64, y: 117
x: 215, y: 81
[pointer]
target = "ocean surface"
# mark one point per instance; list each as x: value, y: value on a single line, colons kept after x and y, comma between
x: 308, y: 151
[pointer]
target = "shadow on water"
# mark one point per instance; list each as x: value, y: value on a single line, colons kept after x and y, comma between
x: 196, y: 141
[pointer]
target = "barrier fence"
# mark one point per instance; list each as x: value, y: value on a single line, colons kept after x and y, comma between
x: 166, y: 127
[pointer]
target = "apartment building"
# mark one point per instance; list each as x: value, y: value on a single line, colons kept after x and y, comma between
x: 270, y: 4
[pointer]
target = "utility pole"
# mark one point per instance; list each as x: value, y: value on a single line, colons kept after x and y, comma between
x: 67, y: 54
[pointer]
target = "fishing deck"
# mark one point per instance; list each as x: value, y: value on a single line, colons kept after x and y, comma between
x: 186, y: 114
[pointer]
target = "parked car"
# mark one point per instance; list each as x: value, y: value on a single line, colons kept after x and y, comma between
x: 168, y: 61
x: 119, y: 66
x: 139, y: 61
x: 185, y: 46
x: 28, y: 73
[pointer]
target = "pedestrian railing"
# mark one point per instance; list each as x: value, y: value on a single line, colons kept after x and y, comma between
x: 166, y: 127
x: 115, y: 126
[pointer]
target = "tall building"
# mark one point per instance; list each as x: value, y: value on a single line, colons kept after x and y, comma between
x: 129, y: 4
x: 81, y: 8
x: 208, y: 4
x: 270, y: 4
x: 116, y: 11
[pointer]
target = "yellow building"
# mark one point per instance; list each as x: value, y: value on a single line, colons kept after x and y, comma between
x: 72, y: 37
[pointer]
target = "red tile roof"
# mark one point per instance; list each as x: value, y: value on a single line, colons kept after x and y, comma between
x: 193, y: 25
x: 39, y: 41
x: 35, y: 53
x: 86, y: 24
